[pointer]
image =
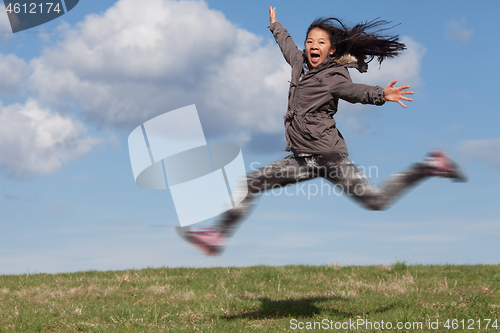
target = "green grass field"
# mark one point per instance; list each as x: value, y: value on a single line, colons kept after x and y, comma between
x: 260, y: 299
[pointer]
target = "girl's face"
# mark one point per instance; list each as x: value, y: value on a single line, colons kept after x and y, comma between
x: 318, y: 47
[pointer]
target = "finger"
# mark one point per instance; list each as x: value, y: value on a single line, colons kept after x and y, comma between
x: 402, y: 104
x: 407, y: 93
x: 392, y: 83
x: 404, y: 87
x: 406, y: 99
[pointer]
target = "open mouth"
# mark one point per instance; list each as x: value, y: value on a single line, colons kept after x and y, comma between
x: 315, y: 58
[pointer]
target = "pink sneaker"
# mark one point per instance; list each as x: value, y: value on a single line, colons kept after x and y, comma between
x: 441, y: 165
x: 209, y: 241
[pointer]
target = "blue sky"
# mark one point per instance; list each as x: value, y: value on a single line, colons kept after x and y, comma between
x: 73, y: 89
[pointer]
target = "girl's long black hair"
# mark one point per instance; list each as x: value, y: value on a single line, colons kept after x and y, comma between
x: 363, y: 40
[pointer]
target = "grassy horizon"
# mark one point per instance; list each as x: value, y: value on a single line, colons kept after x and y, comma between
x: 256, y: 298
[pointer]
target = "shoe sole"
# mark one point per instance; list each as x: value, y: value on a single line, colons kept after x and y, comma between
x: 205, y: 249
x: 458, y: 175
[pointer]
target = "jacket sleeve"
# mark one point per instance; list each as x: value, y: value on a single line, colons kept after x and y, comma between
x: 290, y: 51
x: 343, y: 88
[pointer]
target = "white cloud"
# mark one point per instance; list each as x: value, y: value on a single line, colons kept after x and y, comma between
x: 486, y: 150
x: 36, y: 141
x: 130, y: 64
x: 456, y: 31
x: 134, y: 62
x: 13, y: 71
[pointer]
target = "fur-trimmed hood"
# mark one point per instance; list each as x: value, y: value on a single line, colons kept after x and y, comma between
x: 348, y: 60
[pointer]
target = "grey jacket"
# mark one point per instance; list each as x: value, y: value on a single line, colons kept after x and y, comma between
x: 313, y: 100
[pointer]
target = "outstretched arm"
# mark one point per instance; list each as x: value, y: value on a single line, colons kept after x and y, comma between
x: 395, y: 94
x: 283, y: 38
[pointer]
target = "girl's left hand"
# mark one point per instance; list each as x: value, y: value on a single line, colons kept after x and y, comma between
x: 395, y: 94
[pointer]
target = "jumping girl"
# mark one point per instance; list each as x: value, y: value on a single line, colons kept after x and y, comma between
x: 320, y: 77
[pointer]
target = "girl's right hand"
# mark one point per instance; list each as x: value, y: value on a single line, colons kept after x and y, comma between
x: 272, y: 15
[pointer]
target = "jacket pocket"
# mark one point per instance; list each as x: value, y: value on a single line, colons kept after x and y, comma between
x: 317, y: 123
